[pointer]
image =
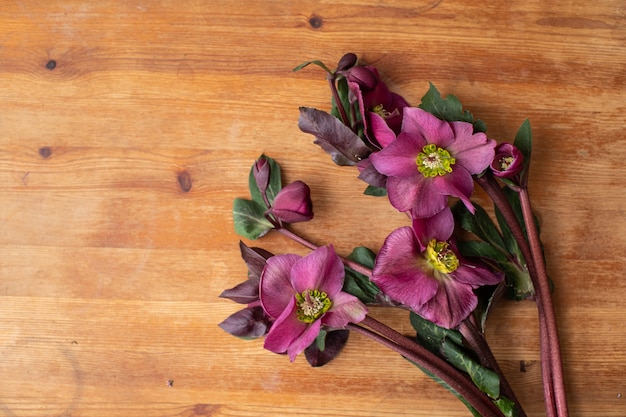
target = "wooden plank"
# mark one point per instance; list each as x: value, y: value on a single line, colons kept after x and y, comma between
x: 127, y: 128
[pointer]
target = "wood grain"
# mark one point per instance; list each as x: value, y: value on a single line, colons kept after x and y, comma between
x: 128, y: 127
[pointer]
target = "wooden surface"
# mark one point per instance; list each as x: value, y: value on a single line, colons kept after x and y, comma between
x: 128, y: 127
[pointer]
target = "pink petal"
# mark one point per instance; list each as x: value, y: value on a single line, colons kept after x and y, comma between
x: 439, y: 227
x: 304, y: 340
x: 458, y: 183
x: 320, y: 270
x: 419, y: 122
x: 382, y: 132
x: 346, y: 309
x: 398, y: 270
x: 275, y: 289
x: 284, y: 330
x: 474, y: 152
x: 398, y: 158
x: 452, y: 304
x: 476, y: 275
x: 417, y: 194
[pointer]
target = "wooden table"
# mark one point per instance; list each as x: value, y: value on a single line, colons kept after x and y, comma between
x: 127, y: 128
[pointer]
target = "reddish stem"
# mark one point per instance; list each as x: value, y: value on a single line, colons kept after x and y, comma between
x: 429, y: 362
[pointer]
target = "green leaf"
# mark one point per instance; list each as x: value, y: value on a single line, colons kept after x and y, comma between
x: 449, y: 344
x: 507, y: 407
x: 249, y: 219
x: 375, y: 191
x: 358, y: 284
x: 480, y: 249
x: 431, y: 335
x: 449, y: 109
x: 449, y: 388
x: 314, y: 62
x: 480, y: 224
x: 274, y: 186
x: 524, y: 142
x: 364, y: 256
x: 485, y: 379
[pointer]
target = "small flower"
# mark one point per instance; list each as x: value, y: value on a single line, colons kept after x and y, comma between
x: 377, y: 103
x: 508, y: 162
x: 430, y: 160
x: 303, y: 294
x: 422, y: 269
x: 293, y: 203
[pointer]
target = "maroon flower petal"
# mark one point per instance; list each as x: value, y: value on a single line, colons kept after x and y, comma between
x: 474, y: 152
x: 398, y: 270
x: 453, y: 303
x: 276, y: 291
x: 439, y: 227
x: 381, y: 130
x: 285, y: 330
x: 293, y: 203
x: 321, y: 270
x: 421, y: 123
x: 417, y: 194
x: 476, y: 275
x: 346, y: 309
x: 398, y: 158
x: 458, y: 183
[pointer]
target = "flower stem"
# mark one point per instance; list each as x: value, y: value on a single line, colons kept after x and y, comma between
x: 430, y: 362
x: 347, y: 262
x: 338, y: 103
x: 543, y: 288
x: 544, y: 302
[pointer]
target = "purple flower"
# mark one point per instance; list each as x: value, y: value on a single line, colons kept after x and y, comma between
x: 508, y: 162
x: 303, y: 294
x: 422, y: 269
x: 293, y: 203
x: 430, y: 160
x: 377, y: 103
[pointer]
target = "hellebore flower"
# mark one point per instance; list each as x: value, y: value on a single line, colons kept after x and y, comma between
x: 376, y: 103
x: 303, y: 294
x: 430, y: 160
x: 428, y: 275
x: 293, y: 203
x: 508, y: 162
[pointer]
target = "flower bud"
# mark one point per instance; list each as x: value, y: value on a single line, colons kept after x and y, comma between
x: 508, y: 162
x: 365, y: 76
x: 346, y: 62
x: 261, y: 172
x: 293, y: 203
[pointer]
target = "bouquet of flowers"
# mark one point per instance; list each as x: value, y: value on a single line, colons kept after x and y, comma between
x: 448, y: 266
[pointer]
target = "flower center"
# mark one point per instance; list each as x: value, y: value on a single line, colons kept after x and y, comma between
x: 441, y: 257
x: 311, y: 304
x: 433, y: 161
x: 505, y: 162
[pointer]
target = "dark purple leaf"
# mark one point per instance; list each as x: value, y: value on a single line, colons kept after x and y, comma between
x: 248, y: 323
x: 335, y: 341
x: 339, y: 141
x: 254, y: 258
x: 244, y: 293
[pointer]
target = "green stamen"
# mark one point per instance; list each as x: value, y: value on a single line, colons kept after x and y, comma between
x: 311, y: 304
x: 382, y: 112
x: 433, y: 161
x: 440, y: 257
